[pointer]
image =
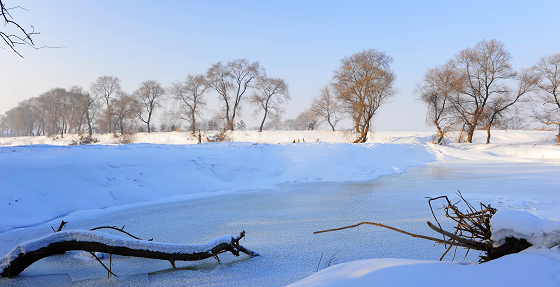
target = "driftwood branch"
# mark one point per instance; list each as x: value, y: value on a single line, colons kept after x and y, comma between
x: 398, y: 230
x: 471, y: 243
x: 472, y: 230
x: 25, y: 254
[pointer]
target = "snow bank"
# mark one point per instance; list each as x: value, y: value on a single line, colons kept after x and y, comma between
x: 535, y: 266
x: 86, y: 181
x: 541, y: 233
x: 511, y: 270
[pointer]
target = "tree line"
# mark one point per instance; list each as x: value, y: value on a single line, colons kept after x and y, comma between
x: 106, y: 108
x: 477, y: 88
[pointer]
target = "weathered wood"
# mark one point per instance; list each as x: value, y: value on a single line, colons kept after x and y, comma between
x: 398, y: 230
x: 471, y: 243
x: 14, y: 266
x: 472, y: 230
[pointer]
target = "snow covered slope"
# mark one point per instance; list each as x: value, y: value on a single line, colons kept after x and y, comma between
x: 85, y: 180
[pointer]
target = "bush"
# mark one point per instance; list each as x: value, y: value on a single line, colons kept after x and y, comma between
x: 84, y: 139
x: 222, y: 136
x: 124, y: 138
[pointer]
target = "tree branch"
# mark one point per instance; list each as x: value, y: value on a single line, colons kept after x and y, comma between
x: 26, y: 253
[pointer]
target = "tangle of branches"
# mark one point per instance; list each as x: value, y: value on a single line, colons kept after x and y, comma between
x: 21, y: 36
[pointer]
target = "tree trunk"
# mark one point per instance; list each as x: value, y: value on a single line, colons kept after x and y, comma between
x: 193, y: 124
x: 558, y: 135
x: 470, y: 133
x: 329, y: 121
x: 441, y: 133
x: 89, y: 124
x: 363, y: 134
x: 23, y: 255
x: 262, y: 123
x: 148, y: 122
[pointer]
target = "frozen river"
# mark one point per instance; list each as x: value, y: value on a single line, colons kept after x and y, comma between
x: 279, y: 225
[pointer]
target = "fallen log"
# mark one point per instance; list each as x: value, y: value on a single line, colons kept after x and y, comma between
x: 26, y: 253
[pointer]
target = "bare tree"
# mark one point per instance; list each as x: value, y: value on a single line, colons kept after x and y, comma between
x: 148, y: 95
x: 363, y: 83
x: 548, y: 71
x: 26, y: 112
x: 435, y: 90
x: 12, y: 122
x: 41, y: 103
x: 20, y: 35
x: 125, y: 108
x: 269, y: 95
x: 63, y: 107
x: 289, y: 125
x: 4, y: 130
x: 231, y: 81
x: 326, y: 107
x: 483, y: 70
x: 306, y: 120
x: 105, y: 87
x: 87, y: 106
x: 56, y: 119
x: 497, y: 106
x: 274, y: 123
x: 189, y: 94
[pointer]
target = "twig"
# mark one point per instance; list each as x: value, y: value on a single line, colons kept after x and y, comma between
x: 62, y: 223
x: 108, y: 270
x: 120, y: 230
x: 319, y: 264
x: 398, y: 230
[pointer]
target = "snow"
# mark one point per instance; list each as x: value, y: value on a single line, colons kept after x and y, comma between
x: 43, y: 181
x: 541, y: 233
x: 511, y: 270
x: 109, y: 240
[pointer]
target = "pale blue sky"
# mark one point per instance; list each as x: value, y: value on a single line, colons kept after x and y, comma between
x: 299, y: 41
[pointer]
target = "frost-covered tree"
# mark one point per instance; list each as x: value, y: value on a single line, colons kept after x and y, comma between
x: 241, y: 125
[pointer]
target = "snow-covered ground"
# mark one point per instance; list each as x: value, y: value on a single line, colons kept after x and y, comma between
x: 43, y: 181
